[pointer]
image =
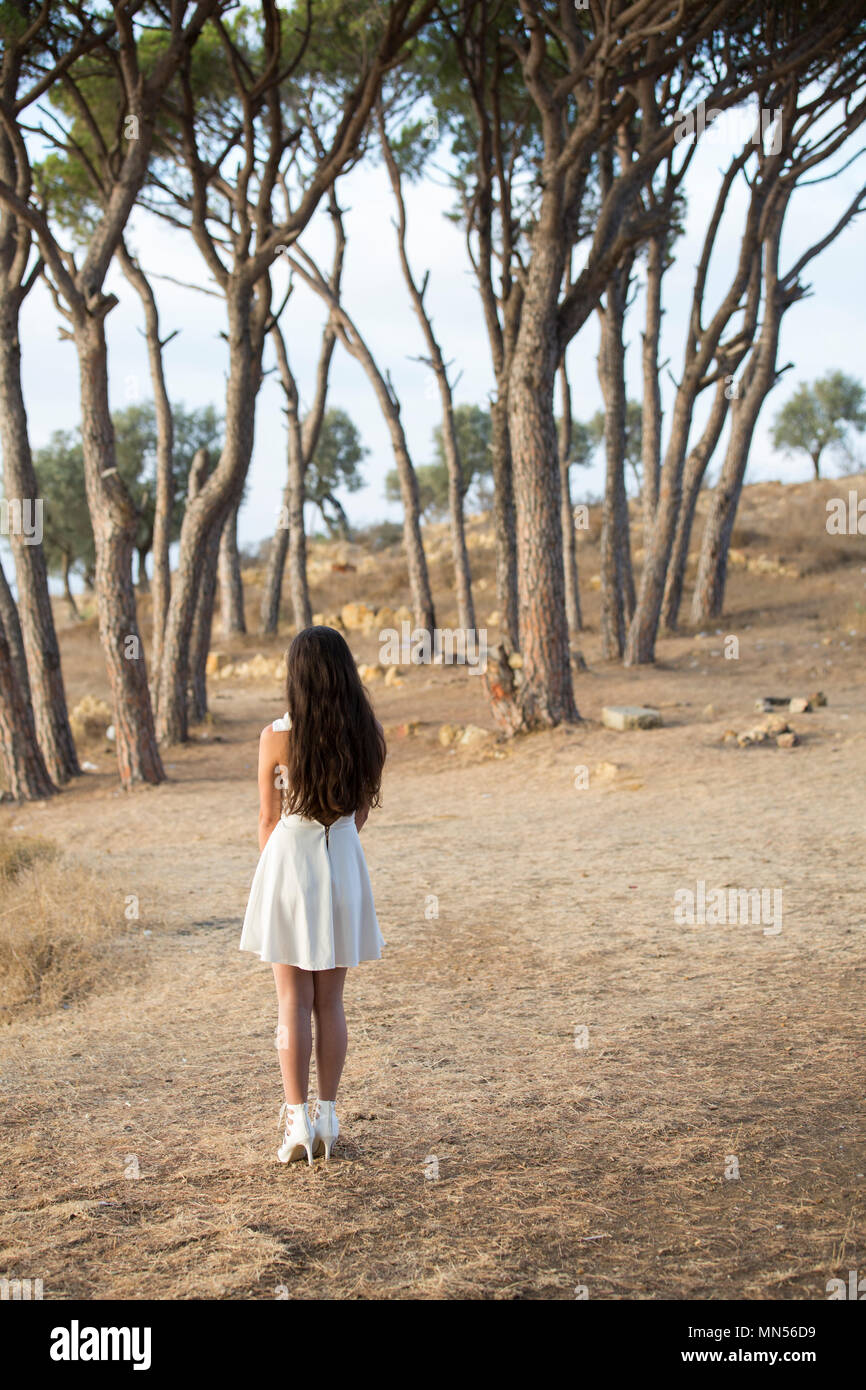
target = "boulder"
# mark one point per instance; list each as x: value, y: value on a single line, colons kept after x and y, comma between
x: 630, y: 717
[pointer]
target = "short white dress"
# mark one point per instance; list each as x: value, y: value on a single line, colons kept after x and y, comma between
x: 311, y: 903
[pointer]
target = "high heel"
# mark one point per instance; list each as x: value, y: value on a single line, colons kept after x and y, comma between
x: 298, y: 1133
x: 326, y: 1128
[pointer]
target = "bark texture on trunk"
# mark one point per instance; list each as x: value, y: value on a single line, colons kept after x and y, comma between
x: 12, y: 625
x: 34, y: 603
x: 504, y: 521
x: 202, y: 624
x: 617, y: 585
x: 114, y: 521
x: 546, y: 692
x: 651, y: 413
x: 569, y: 538
x: 232, y: 618
x: 24, y: 769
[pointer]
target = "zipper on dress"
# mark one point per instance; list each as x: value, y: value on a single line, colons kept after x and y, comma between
x: 327, y: 831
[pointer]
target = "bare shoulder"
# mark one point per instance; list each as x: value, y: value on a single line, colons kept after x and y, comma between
x: 272, y: 739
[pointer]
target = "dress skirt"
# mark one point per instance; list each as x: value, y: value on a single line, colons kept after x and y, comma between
x: 311, y: 904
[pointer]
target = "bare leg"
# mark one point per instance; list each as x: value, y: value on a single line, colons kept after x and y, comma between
x: 331, y: 1036
x: 295, y: 995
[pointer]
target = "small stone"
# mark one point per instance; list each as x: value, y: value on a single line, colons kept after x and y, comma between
x: 630, y: 717
x: 799, y: 705
x: 787, y: 740
x: 776, y: 724
x: 817, y: 699
x: 473, y: 735
x: 449, y: 733
x: 763, y: 706
x: 605, y: 772
x: 744, y: 740
x: 729, y: 736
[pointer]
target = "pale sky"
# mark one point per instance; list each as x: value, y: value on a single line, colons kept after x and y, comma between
x: 818, y: 334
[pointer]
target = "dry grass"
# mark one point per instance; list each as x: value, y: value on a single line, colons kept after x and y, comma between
x: 63, y: 932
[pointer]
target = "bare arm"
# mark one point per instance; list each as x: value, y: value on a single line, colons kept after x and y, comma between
x: 272, y: 756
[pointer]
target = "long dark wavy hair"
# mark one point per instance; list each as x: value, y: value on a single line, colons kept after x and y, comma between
x: 336, y: 745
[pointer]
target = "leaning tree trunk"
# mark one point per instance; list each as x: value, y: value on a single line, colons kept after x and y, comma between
x: 20, y: 485
x: 232, y: 617
x: 462, y: 575
x: 24, y: 767
x: 419, y: 580
x: 693, y: 477
x: 248, y: 310
x: 165, y: 489
x: 273, y: 587
x: 759, y: 377
x: 546, y: 693
x: 569, y: 539
x: 114, y: 522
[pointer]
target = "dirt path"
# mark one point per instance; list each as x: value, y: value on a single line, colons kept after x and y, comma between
x: 559, y: 1165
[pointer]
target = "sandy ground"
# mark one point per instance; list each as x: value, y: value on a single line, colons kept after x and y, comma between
x: 548, y: 1082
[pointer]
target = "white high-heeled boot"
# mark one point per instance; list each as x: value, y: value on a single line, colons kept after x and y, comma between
x: 326, y: 1127
x: 298, y: 1135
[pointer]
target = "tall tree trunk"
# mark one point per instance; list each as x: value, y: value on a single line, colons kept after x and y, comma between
x: 355, y: 345
x: 504, y: 521
x: 34, y: 603
x: 616, y: 580
x: 546, y: 693
x: 248, y: 312
x: 569, y: 539
x: 12, y: 624
x: 273, y: 586
x: 164, y: 502
x: 450, y: 447
x: 693, y: 477
x: 24, y: 767
x: 202, y: 623
x: 114, y: 522
x: 758, y: 378
x: 232, y: 618
x: 651, y: 413
x: 294, y: 540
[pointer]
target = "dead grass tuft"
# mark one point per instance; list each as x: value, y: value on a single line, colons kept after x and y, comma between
x: 63, y: 932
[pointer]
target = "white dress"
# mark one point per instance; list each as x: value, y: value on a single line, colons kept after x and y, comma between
x: 311, y: 903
